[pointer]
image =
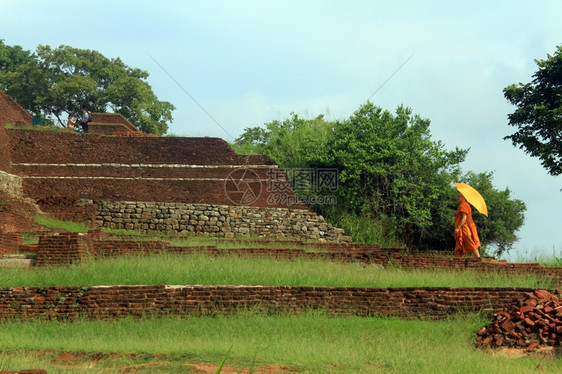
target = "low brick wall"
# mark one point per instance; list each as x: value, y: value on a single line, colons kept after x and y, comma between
x: 64, y: 248
x: 9, y: 243
x: 102, y: 302
x: 216, y: 220
x: 11, y: 184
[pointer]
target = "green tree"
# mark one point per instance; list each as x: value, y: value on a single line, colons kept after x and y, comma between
x: 66, y: 79
x: 390, y: 167
x: 538, y: 117
x: 293, y: 143
x: 11, y: 57
x: 394, y: 179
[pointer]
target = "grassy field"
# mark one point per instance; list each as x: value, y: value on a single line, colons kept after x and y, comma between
x: 250, y: 342
x: 306, y: 343
x: 235, y: 270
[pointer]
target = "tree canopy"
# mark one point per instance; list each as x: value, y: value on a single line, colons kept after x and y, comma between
x: 538, y: 117
x: 52, y: 82
x: 390, y: 169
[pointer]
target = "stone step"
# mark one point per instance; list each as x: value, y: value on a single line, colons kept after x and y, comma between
x: 18, y: 260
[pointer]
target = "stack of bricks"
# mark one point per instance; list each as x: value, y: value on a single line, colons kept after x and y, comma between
x: 531, y: 321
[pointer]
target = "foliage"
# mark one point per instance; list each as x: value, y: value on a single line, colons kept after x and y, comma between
x: 67, y: 79
x: 389, y: 166
x: 11, y: 57
x: 538, y: 117
x: 390, y: 172
x: 293, y: 143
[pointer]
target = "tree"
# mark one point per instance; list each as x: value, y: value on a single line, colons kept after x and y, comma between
x: 389, y: 166
x: 64, y: 80
x: 393, y: 177
x: 538, y: 116
x: 11, y: 57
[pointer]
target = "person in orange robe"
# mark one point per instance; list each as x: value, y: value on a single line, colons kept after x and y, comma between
x: 466, y: 236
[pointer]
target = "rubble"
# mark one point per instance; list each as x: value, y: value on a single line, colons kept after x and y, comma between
x: 531, y: 322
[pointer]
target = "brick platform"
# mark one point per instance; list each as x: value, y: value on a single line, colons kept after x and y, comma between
x: 103, y: 302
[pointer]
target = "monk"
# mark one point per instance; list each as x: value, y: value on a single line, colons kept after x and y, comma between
x: 466, y: 236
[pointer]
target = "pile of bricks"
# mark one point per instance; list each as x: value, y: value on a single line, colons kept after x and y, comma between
x: 531, y: 321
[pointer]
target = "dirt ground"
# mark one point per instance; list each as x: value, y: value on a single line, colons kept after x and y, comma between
x: 146, y: 363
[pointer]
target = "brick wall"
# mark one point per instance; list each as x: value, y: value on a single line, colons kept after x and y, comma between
x: 101, y: 302
x: 30, y: 146
x: 188, y: 170
x: 9, y: 242
x: 5, y: 155
x: 64, y: 248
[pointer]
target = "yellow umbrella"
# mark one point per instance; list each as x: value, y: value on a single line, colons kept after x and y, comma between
x: 473, y: 197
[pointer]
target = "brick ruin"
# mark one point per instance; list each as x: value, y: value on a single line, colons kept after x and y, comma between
x: 111, y: 123
x: 103, y: 302
x: 78, y: 176
x: 190, y: 186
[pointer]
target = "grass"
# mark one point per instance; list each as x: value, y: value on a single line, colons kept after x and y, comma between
x: 306, y: 343
x: 58, y: 224
x: 235, y: 270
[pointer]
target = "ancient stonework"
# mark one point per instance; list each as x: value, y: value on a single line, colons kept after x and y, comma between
x: 11, y: 184
x: 216, y: 220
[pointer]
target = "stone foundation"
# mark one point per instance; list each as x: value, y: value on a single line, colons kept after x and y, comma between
x: 216, y: 220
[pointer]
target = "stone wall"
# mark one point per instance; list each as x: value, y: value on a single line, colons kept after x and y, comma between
x: 11, y: 184
x: 102, y: 302
x: 216, y: 220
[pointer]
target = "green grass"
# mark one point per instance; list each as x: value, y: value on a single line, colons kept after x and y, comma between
x: 58, y: 224
x: 552, y: 257
x: 235, y: 270
x: 29, y: 238
x: 307, y: 343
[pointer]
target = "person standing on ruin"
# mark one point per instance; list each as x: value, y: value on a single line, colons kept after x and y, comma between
x: 84, y: 120
x: 71, y: 122
x: 466, y: 235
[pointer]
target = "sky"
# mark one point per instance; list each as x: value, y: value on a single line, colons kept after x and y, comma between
x: 229, y: 65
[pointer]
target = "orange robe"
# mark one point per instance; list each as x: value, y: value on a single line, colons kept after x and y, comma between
x: 466, y: 239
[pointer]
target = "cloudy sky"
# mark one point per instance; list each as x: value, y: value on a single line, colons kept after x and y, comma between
x: 246, y: 63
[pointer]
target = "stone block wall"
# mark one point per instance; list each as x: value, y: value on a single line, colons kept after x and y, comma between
x: 216, y: 220
x: 103, y: 302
